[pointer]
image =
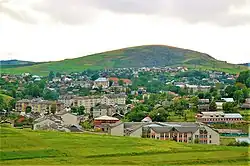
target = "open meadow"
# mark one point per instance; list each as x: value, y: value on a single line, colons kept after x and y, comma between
x: 26, y: 147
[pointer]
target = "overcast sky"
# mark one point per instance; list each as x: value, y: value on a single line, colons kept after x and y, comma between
x: 43, y: 30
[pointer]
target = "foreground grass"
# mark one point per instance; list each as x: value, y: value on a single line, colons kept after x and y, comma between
x: 25, y: 147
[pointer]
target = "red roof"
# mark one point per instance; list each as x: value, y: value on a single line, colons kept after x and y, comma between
x: 127, y: 81
x: 21, y: 119
x: 115, y: 79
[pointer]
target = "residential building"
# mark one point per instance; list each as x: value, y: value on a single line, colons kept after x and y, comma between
x: 65, y: 122
x: 87, y: 101
x: 182, y: 132
x: 246, y: 105
x: 187, y: 132
x: 103, y: 110
x: 103, y: 122
x: 101, y: 82
x: 38, y: 105
x: 219, y: 105
x: 70, y: 119
x: 228, y: 99
x: 203, y: 105
x: 114, y: 99
x: 218, y: 117
x: 91, y: 101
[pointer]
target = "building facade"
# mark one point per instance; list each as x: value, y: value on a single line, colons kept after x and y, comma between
x: 218, y: 117
x: 183, y: 132
x: 38, y: 105
x: 91, y: 101
x: 101, y: 82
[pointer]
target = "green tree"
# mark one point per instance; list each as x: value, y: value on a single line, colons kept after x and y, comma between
x: 81, y: 110
x: 229, y: 107
x: 238, y: 96
x: 138, y: 113
x: 120, y: 82
x: 212, y: 106
x: 51, y: 75
x: 244, y: 78
x: 28, y: 109
x: 201, y: 95
x: 246, y: 92
x: 159, y: 115
x: 50, y: 94
x: 195, y: 101
x: 208, y: 96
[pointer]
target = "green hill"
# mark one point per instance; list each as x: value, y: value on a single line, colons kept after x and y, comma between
x: 25, y: 147
x: 140, y: 56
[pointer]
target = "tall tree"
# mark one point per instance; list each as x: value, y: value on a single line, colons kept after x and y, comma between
x: 212, y: 106
x: 238, y: 96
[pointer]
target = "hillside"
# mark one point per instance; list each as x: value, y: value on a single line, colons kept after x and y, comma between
x: 25, y: 147
x: 16, y: 63
x: 245, y: 64
x: 140, y: 56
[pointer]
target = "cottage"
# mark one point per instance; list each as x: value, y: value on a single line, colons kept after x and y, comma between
x: 70, y: 119
x: 103, y: 122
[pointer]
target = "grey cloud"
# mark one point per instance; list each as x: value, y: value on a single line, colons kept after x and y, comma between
x: 21, y: 15
x: 67, y: 11
x: 215, y: 11
x: 193, y: 11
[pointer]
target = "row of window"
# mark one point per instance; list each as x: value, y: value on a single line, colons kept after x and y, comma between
x: 167, y: 135
x: 203, y: 136
x: 205, y: 141
x: 222, y: 119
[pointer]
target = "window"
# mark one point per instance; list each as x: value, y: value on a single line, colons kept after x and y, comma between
x: 210, y: 136
x: 180, y: 135
x: 162, y: 135
x: 210, y: 141
x: 196, y: 136
x: 185, y: 135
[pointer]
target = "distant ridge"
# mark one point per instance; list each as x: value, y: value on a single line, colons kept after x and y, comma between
x: 139, y: 56
x: 13, y: 63
x: 245, y: 64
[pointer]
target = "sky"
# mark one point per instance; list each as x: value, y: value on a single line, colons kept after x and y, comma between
x: 49, y: 30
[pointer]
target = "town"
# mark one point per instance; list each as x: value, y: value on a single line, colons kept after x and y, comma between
x: 191, y: 106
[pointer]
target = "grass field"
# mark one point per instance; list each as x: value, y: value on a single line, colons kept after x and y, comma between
x: 26, y: 147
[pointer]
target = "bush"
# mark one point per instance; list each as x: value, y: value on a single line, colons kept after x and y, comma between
x: 238, y: 143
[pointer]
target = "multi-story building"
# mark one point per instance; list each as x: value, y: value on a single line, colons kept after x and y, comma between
x: 182, y: 132
x: 103, y: 110
x: 38, y: 105
x: 101, y: 82
x: 218, y: 117
x: 187, y: 132
x: 87, y: 101
x: 113, y: 99
x: 91, y: 101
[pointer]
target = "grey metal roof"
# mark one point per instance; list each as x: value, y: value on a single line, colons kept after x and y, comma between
x: 235, y: 115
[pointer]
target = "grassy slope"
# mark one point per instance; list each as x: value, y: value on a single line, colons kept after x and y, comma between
x: 24, y: 147
x: 151, y: 55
